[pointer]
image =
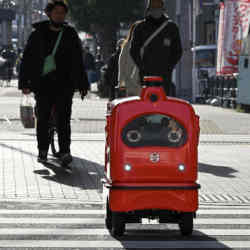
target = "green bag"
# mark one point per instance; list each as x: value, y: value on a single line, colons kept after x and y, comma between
x: 50, y: 62
x: 49, y: 65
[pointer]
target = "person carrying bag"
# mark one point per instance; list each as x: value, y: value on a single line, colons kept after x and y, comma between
x: 52, y: 68
x: 156, y: 45
x: 128, y: 74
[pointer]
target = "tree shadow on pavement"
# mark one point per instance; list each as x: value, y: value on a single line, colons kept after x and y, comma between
x: 85, y: 174
x: 221, y: 171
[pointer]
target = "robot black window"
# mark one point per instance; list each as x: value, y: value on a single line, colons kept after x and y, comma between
x: 154, y: 130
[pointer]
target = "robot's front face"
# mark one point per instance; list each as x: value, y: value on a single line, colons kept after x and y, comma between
x: 154, y: 130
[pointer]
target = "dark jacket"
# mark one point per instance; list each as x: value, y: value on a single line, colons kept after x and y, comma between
x: 163, y: 52
x: 89, y: 61
x: 70, y: 74
x: 111, y: 74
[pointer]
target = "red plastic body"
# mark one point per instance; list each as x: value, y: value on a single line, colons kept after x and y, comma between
x: 150, y: 185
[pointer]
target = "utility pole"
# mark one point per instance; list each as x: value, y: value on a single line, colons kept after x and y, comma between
x: 8, y: 12
x: 25, y: 20
x: 194, y: 87
x: 178, y: 77
x: 19, y: 23
x: 41, y: 7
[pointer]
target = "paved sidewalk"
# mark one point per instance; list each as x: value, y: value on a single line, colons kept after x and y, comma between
x: 22, y: 177
x: 213, y: 120
x: 223, y: 158
x: 223, y: 170
x: 90, y: 108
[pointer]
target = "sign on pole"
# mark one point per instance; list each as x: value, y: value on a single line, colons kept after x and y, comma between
x: 233, y: 28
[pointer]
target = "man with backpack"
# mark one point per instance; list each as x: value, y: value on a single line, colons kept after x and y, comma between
x: 156, y: 45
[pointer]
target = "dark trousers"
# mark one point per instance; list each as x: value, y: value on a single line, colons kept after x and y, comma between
x: 63, y: 106
x: 169, y: 88
x: 112, y: 92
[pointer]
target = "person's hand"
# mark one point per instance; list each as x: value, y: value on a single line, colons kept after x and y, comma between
x: 83, y: 93
x: 26, y: 91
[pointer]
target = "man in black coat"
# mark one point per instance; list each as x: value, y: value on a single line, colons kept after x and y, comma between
x: 163, y: 52
x: 56, y: 88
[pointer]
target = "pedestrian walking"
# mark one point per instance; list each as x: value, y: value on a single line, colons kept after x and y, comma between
x: 156, y: 45
x: 89, y: 63
x: 52, y: 67
x: 9, y: 54
x: 98, y: 65
x: 128, y: 74
x: 111, y: 73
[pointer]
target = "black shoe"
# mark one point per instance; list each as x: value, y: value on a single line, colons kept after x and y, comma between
x: 66, y: 159
x: 42, y: 157
x: 57, y: 155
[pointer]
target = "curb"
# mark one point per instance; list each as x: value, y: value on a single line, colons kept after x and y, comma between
x: 72, y: 119
x: 52, y: 201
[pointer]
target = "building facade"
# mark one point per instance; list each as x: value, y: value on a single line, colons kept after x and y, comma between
x: 7, y: 15
x: 198, y: 24
x: 16, y: 18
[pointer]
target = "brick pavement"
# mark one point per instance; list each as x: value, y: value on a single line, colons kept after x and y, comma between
x: 213, y: 120
x: 223, y: 160
x: 21, y: 177
x: 223, y: 170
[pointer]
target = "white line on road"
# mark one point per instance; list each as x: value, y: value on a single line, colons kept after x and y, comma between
x: 98, y: 231
x: 125, y: 244
x: 244, y: 211
x: 52, y: 212
x: 208, y: 221
x: 230, y: 212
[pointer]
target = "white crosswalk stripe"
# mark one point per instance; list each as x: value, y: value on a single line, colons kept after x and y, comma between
x: 216, y: 227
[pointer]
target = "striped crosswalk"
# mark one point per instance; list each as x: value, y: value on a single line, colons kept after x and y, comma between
x: 216, y: 227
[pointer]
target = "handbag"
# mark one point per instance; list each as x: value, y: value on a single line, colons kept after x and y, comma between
x: 27, y: 111
x: 50, y: 62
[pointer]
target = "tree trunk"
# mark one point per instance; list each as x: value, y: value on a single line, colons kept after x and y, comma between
x: 107, y: 36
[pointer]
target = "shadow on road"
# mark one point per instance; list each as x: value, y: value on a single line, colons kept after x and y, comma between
x: 85, y: 174
x: 17, y: 149
x: 169, y: 239
x: 221, y: 171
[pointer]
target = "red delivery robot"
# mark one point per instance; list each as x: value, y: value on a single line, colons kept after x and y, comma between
x: 151, y: 158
